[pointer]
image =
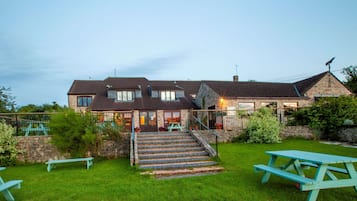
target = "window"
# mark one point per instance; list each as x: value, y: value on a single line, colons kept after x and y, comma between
x: 84, y: 101
x: 168, y: 95
x: 171, y: 116
x: 289, y: 108
x: 231, y: 111
x: 123, y: 119
x: 125, y: 96
x: 272, y: 105
x: 246, y: 107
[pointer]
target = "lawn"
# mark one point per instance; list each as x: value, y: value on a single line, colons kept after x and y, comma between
x: 116, y: 180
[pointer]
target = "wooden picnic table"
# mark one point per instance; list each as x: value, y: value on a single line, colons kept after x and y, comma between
x: 5, y: 186
x: 325, y: 168
x: 36, y: 126
x: 174, y: 125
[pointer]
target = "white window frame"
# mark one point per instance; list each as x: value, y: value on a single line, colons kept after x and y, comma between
x: 125, y: 96
x: 168, y: 95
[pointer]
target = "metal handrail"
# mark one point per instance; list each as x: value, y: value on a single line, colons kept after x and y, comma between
x: 132, y: 144
x: 213, y: 132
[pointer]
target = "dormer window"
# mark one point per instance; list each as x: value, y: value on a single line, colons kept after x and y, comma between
x: 168, y: 95
x: 125, y: 96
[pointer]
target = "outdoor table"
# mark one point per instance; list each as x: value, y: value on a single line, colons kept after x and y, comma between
x: 174, y: 125
x: 5, y: 186
x: 300, y: 160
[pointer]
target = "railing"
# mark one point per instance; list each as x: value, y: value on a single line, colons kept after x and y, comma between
x: 133, y: 145
x: 213, y: 132
x: 26, y: 123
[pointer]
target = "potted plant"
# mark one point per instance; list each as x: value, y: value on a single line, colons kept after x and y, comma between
x: 137, y: 129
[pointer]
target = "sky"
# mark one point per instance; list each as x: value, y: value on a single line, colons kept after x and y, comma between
x: 47, y: 44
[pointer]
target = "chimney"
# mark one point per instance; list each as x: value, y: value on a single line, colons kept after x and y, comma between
x: 235, y: 78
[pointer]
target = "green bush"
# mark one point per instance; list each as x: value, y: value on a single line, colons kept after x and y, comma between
x: 111, y: 131
x: 8, y: 151
x: 74, y: 133
x: 263, y: 127
x: 300, y: 117
x: 328, y: 114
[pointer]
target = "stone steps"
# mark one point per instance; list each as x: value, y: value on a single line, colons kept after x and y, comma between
x: 180, y: 173
x: 173, y: 155
x: 169, y: 150
x: 173, y: 152
x: 173, y: 160
x: 167, y: 166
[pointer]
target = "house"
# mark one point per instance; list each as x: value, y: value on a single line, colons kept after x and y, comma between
x: 250, y: 96
x: 154, y: 104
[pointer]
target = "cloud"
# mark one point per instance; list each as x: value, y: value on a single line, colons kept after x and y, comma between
x: 150, y: 66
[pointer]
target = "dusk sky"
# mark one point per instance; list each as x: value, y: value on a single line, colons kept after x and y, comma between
x: 46, y: 44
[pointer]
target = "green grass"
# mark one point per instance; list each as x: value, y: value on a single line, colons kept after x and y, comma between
x: 116, y: 180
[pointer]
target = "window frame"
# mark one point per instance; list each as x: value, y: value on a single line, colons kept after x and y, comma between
x: 125, y: 96
x: 167, y: 95
x: 84, y: 101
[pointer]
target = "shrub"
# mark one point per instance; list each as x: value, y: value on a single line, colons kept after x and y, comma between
x: 111, y: 131
x: 300, y: 117
x: 328, y: 114
x: 263, y: 127
x: 242, y: 137
x: 73, y: 133
x: 8, y: 151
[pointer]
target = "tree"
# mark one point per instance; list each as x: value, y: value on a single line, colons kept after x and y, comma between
x: 42, y: 108
x: 351, y: 77
x: 7, y: 103
x: 74, y: 133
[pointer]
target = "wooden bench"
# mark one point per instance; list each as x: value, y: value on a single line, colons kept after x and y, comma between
x: 51, y: 163
x: 331, y: 168
x: 5, y: 186
x: 284, y: 174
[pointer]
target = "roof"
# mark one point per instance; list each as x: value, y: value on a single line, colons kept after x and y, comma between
x: 228, y: 89
x: 102, y: 103
x: 252, y: 89
x: 306, y: 84
x: 86, y: 87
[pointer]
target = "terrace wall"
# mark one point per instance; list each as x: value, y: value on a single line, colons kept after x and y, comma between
x: 38, y: 149
x: 286, y: 132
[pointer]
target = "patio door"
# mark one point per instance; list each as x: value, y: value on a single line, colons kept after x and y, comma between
x: 148, y: 121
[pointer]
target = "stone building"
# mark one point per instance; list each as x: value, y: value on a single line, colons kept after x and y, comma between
x: 154, y: 104
x: 246, y: 97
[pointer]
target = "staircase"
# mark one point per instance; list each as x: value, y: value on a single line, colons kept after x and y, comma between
x: 173, y: 154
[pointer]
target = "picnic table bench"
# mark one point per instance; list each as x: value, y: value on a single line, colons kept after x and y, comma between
x: 36, y: 126
x: 300, y: 160
x: 51, y: 163
x: 5, y: 187
x: 174, y: 125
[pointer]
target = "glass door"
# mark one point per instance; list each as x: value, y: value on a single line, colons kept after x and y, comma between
x: 148, y: 121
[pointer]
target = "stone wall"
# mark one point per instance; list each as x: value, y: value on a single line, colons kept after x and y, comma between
x: 112, y: 149
x: 224, y: 136
x: 286, y: 132
x: 38, y: 149
x: 296, y: 132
